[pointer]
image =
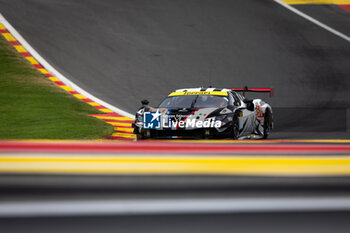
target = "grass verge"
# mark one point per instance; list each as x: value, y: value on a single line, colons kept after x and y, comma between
x: 32, y: 107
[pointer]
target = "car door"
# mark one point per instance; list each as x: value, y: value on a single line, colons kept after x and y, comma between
x: 246, y: 118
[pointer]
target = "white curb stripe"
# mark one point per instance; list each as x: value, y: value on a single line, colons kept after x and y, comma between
x: 305, y: 16
x: 171, y: 206
x: 57, y: 74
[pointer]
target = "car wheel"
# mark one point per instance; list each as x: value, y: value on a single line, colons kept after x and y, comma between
x: 139, y: 137
x: 144, y: 134
x: 267, y: 123
x: 235, y: 127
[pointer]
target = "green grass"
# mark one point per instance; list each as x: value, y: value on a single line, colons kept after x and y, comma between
x: 32, y: 107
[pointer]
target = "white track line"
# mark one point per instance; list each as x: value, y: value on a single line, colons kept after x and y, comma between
x: 171, y: 206
x: 57, y: 74
x: 305, y: 16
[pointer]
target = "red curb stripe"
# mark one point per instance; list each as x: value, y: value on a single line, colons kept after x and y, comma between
x: 125, y: 127
x: 4, y: 31
x: 89, y: 101
x: 38, y: 66
x: 26, y: 54
x: 113, y: 115
x: 108, y: 115
x: 86, y: 100
x: 49, y: 75
x: 73, y: 92
x: 15, y: 43
x: 59, y: 83
x: 120, y: 121
x: 345, y: 7
x: 124, y: 132
x: 151, y: 147
x: 100, y: 107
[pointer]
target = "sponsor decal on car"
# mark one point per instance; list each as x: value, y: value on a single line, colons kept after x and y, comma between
x: 152, y: 120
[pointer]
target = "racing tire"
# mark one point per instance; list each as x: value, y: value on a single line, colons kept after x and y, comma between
x: 139, y: 137
x: 267, y: 123
x: 235, y: 127
x: 143, y: 135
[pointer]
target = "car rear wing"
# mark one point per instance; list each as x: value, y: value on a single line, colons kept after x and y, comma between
x: 246, y: 89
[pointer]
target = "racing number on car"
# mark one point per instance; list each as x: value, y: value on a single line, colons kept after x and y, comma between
x: 259, y: 112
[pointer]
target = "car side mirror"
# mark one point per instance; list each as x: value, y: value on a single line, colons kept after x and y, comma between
x: 250, y: 104
x: 144, y: 102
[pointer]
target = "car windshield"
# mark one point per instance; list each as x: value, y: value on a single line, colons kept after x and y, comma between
x: 183, y: 101
x: 194, y: 101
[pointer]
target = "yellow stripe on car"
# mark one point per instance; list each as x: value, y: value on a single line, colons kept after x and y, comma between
x: 221, y: 93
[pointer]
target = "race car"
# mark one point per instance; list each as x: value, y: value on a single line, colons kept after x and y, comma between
x: 206, y: 113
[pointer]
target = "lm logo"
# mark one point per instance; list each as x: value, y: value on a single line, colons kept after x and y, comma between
x: 151, y: 120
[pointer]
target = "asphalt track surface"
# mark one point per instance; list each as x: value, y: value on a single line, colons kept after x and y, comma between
x: 260, y: 222
x: 124, y: 51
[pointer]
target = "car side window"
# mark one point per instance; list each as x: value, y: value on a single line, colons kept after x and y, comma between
x: 236, y: 101
x: 231, y: 99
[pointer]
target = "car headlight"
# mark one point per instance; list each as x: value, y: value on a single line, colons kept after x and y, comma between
x: 139, y: 118
x: 220, y: 118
